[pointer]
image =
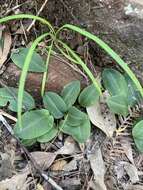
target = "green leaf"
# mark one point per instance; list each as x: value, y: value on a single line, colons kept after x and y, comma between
x: 80, y: 133
x: 70, y: 93
x: 137, y: 133
x: 34, y: 124
x: 89, y: 96
x: 134, y: 95
x: 9, y: 94
x: 114, y: 82
x: 75, y: 117
x: 36, y: 64
x: 108, y: 50
x: 55, y: 104
x: 118, y: 105
x: 28, y: 142
x: 48, y: 136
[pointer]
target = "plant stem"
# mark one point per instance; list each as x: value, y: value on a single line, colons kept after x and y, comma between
x: 108, y: 50
x: 22, y: 16
x: 45, y: 73
x: 83, y: 65
x: 24, y: 74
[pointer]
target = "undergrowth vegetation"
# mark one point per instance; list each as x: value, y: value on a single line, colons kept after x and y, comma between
x: 65, y: 112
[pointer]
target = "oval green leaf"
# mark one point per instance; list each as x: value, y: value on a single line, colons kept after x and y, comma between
x: 134, y: 95
x: 36, y: 64
x: 48, y: 136
x: 118, y: 104
x: 80, y: 133
x: 55, y: 104
x: 89, y: 96
x: 28, y: 142
x: 34, y: 124
x: 114, y: 82
x: 9, y: 94
x: 137, y: 133
x: 75, y: 117
x: 70, y: 93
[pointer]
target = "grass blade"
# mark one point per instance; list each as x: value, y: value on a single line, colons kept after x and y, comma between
x: 83, y: 65
x: 110, y: 52
x: 22, y: 16
x: 45, y: 73
x: 24, y: 74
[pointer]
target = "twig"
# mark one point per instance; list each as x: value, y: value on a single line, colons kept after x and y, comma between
x: 40, y: 10
x: 8, y: 115
x: 33, y: 162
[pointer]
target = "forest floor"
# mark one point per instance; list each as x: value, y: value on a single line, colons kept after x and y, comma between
x: 102, y: 163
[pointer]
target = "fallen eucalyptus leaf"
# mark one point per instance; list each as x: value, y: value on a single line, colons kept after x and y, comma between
x: 132, y: 172
x: 44, y: 159
x: 17, y: 182
x: 5, y: 47
x: 69, y: 142
x: 58, y: 165
x: 98, y: 168
x: 101, y: 116
x: 72, y: 165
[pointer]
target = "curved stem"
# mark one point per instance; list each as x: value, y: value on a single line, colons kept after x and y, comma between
x: 45, y: 73
x: 108, y: 50
x: 24, y: 74
x: 66, y: 55
x: 22, y: 16
x: 83, y: 65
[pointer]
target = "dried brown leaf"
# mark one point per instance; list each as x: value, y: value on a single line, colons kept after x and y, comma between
x: 72, y: 165
x: 101, y: 117
x: 128, y: 149
x: 44, y: 159
x: 15, y: 183
x: 98, y: 168
x: 132, y: 172
x: 58, y: 165
x: 70, y: 147
x: 4, y: 51
x: 133, y: 187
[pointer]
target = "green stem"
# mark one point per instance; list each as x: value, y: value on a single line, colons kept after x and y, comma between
x: 107, y: 49
x: 66, y: 55
x: 83, y: 65
x: 24, y: 74
x: 45, y: 73
x: 22, y: 16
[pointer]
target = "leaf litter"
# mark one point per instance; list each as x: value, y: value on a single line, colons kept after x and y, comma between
x: 5, y: 45
x: 117, y: 152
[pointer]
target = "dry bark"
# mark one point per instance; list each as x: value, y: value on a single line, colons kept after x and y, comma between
x: 59, y: 74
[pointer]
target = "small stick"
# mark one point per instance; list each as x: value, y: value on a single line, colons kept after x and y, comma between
x: 34, y: 163
x: 40, y: 10
x: 8, y: 115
